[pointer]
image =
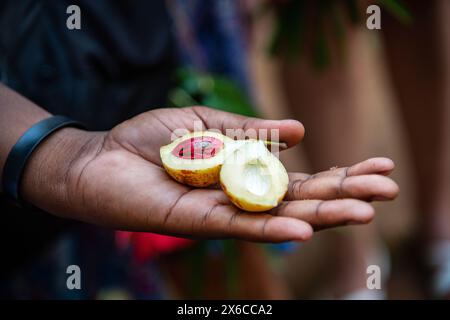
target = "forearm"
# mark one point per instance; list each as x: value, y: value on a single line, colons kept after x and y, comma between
x: 50, y: 168
x: 50, y: 175
x: 18, y: 115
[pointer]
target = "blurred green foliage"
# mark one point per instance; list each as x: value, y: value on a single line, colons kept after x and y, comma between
x: 215, y: 91
x: 294, y: 17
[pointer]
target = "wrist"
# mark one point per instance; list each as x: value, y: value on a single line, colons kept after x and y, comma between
x: 53, y: 168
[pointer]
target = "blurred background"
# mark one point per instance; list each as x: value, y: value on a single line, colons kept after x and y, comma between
x: 359, y: 93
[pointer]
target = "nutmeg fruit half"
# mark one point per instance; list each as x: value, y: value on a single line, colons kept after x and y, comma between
x: 195, y: 158
x: 253, y: 178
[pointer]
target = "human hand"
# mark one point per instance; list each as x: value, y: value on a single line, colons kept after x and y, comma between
x: 116, y: 179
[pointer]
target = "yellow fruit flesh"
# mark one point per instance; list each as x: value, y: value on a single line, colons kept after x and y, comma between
x: 253, y: 178
x: 249, y: 206
x: 195, y: 178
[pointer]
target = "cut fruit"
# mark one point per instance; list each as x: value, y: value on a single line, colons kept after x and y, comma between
x: 195, y: 158
x: 253, y: 178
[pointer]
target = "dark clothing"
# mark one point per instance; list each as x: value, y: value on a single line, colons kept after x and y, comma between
x: 118, y: 65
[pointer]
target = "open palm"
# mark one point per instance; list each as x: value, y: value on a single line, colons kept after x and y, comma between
x: 123, y: 185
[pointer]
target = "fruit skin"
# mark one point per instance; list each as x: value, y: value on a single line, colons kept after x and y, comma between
x: 195, y: 178
x: 195, y: 173
x: 247, y: 206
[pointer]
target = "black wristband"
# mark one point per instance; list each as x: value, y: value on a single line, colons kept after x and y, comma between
x: 24, y: 147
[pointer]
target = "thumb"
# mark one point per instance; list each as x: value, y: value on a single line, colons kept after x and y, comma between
x: 288, y: 131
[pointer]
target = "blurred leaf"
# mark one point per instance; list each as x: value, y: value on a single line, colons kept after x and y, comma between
x: 210, y: 90
x: 321, y: 51
x: 231, y: 268
x: 227, y: 96
x: 197, y: 260
x: 338, y: 24
x: 321, y: 55
x: 180, y: 97
x: 353, y: 10
x: 398, y: 10
x: 288, y: 35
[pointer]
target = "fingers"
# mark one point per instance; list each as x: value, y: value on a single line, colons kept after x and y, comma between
x: 267, y: 228
x: 289, y: 131
x: 365, y: 180
x: 228, y: 221
x: 209, y: 214
x: 365, y: 187
x: 383, y: 166
x: 325, y: 214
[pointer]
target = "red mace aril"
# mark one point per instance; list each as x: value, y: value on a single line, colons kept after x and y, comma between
x: 203, y: 147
